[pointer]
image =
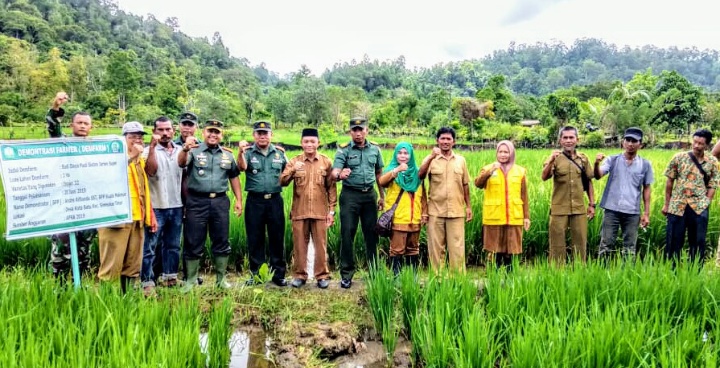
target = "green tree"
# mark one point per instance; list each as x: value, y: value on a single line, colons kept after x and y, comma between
x: 677, y: 101
x: 122, y: 76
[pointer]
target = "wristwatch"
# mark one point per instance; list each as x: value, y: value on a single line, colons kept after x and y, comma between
x: 331, y: 213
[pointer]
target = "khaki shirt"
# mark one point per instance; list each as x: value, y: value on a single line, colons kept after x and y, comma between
x: 446, y: 195
x: 568, y: 194
x: 314, y: 192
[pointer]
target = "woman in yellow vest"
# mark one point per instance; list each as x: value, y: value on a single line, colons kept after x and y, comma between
x: 506, y: 210
x: 411, y: 212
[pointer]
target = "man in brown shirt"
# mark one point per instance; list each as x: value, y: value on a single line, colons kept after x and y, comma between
x: 567, y: 209
x: 313, y: 207
x: 448, y: 202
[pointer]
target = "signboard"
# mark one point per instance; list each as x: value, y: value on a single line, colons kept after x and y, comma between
x: 63, y: 185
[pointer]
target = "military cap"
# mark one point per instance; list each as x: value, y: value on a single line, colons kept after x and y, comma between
x: 214, y: 124
x: 310, y: 132
x: 188, y: 117
x: 358, y: 122
x: 262, y: 125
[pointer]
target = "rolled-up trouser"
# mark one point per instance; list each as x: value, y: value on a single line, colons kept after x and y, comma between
x: 120, y: 250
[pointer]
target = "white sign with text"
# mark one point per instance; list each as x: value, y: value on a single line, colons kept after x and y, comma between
x: 61, y: 185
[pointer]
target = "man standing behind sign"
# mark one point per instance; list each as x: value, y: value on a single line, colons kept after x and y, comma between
x: 210, y: 167
x: 54, y: 116
x: 121, y: 246
x: 164, y: 176
x: 81, y: 124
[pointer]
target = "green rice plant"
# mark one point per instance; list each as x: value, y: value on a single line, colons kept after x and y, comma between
x: 219, y: 333
x: 51, y: 326
x: 477, y: 345
x: 381, y: 294
x: 409, y: 297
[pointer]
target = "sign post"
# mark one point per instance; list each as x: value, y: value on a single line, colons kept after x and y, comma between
x: 64, y: 185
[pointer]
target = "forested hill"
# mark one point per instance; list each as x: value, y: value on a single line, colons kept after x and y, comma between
x: 538, y: 69
x: 120, y: 66
x: 109, y: 59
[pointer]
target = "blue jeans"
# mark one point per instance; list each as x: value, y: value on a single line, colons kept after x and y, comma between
x: 696, y: 227
x: 168, y: 235
x: 628, y: 224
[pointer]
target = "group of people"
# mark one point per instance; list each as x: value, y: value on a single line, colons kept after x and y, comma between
x: 178, y: 189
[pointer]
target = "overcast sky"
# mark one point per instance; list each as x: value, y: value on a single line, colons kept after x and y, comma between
x: 285, y: 34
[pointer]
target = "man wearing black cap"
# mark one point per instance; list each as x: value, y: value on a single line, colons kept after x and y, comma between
x: 188, y: 124
x: 210, y: 167
x: 313, y: 207
x: 629, y: 176
x: 359, y: 165
x: 263, y: 163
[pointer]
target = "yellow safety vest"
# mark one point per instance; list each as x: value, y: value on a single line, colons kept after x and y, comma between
x: 501, y: 190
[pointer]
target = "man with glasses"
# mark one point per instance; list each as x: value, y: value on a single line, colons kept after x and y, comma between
x: 630, y: 176
x: 210, y: 167
x: 121, y: 246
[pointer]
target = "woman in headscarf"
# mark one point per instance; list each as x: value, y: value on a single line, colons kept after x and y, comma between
x: 401, y: 175
x: 506, y: 210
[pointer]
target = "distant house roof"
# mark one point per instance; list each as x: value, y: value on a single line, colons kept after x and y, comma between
x: 529, y: 122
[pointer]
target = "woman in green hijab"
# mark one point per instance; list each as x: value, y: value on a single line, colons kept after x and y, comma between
x: 401, y: 178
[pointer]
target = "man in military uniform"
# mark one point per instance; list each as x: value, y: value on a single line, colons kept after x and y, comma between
x: 358, y: 164
x: 54, y: 116
x: 263, y: 163
x: 210, y: 167
x: 81, y: 125
x: 188, y: 123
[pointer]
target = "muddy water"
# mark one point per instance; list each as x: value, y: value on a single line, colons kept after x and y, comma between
x: 247, y: 349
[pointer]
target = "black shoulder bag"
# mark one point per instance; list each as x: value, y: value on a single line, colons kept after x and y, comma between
x: 583, y: 176
x: 706, y: 178
x: 384, y: 224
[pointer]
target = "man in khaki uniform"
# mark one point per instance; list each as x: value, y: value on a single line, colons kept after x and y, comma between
x: 313, y: 207
x: 448, y: 202
x: 569, y: 169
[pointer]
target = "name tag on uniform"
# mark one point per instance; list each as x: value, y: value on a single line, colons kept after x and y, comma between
x: 254, y: 160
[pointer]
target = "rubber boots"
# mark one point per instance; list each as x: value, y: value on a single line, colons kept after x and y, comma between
x: 221, y: 272
x: 191, y: 273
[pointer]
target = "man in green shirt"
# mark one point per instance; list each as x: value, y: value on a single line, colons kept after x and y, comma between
x: 263, y: 163
x: 358, y: 164
x: 210, y: 167
x: 54, y: 116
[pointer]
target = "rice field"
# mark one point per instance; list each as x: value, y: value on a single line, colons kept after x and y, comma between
x: 642, y: 314
x: 31, y: 252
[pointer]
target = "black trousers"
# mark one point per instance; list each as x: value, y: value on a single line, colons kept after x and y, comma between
x: 266, y: 216
x: 357, y: 206
x: 203, y: 215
